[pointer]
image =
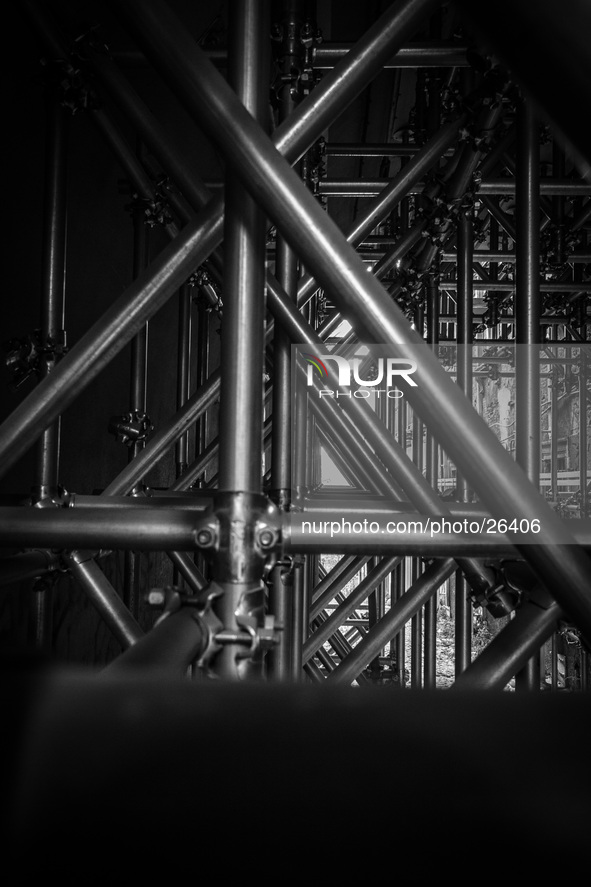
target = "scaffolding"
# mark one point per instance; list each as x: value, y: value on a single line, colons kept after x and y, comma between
x: 314, y: 533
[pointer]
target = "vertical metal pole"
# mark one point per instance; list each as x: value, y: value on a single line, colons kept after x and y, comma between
x: 242, y: 343
x: 416, y: 635
x: 416, y: 628
x: 138, y: 388
x: 297, y: 609
x: 400, y: 573
x: 52, y: 329
x: 201, y: 428
x: 372, y: 612
x: 280, y: 660
x: 432, y: 466
x: 583, y: 429
x: 554, y: 434
x: 183, y: 386
x: 527, y: 319
x: 463, y: 608
x: 53, y: 301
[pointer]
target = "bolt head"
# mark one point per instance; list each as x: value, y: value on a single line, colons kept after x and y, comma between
x: 155, y: 597
x: 204, y: 537
x: 266, y: 538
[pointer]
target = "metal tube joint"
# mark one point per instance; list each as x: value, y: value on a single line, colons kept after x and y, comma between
x: 240, y: 534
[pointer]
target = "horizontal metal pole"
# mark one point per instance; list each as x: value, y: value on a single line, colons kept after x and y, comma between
x: 509, y: 285
x: 339, y: 270
x: 488, y: 188
x: 385, y: 149
x: 397, y: 188
x: 413, y: 55
x: 421, y: 545
x: 376, y: 508
x: 155, y: 529
x: 204, y: 233
x: 506, y: 256
x: 555, y: 187
x: 165, y: 529
x: 422, y: 54
x: 416, y: 535
x: 193, y: 501
x: 27, y: 565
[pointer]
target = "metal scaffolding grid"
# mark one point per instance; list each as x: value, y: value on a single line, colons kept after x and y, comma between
x: 466, y: 243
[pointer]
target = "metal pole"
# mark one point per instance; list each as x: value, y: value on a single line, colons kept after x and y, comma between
x: 391, y: 196
x: 337, y: 268
x: 415, y: 55
x: 356, y: 597
x: 432, y: 470
x: 509, y: 651
x: 339, y: 576
x: 138, y: 384
x: 183, y: 373
x: 168, y: 648
x: 527, y: 319
x: 463, y: 605
x: 390, y: 452
x: 108, y: 336
x: 399, y: 614
x: 201, y: 236
x: 159, y: 528
x: 53, y: 294
x: 243, y: 343
x: 416, y: 634
x: 554, y: 389
x: 52, y: 330
x: 166, y: 528
x: 99, y: 590
x: 140, y: 182
x: 584, y: 428
x: 165, y: 436
x: 280, y: 660
x: 27, y: 565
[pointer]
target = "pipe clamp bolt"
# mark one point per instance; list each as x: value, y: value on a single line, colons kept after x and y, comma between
x: 205, y: 538
x: 266, y: 538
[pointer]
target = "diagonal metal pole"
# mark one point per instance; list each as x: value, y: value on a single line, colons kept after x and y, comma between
x: 391, y: 196
x: 204, y: 233
x: 504, y: 488
x: 392, y: 455
x: 512, y: 648
x: 339, y: 576
x: 108, y: 336
x: 356, y: 597
x: 389, y: 625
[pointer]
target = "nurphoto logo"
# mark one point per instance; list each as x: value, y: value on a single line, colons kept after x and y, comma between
x: 348, y: 373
